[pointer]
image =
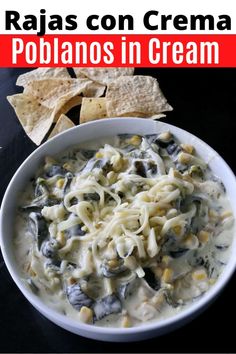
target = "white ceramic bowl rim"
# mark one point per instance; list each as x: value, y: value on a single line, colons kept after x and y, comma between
x: 154, y: 325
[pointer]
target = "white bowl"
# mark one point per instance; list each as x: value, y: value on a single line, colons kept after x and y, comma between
x: 97, y: 130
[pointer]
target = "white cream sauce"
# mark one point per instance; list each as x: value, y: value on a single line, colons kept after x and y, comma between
x: 192, y: 275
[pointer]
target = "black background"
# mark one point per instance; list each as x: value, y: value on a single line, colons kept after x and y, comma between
x: 204, y: 102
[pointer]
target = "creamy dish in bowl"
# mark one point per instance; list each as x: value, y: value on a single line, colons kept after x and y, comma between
x: 124, y: 230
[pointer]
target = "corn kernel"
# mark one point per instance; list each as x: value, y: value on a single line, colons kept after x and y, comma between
x: 72, y: 281
x: 191, y: 241
x: 117, y: 167
x: 177, y: 174
x: 126, y: 322
x: 157, y: 271
x: 226, y: 214
x: 97, y: 226
x: 167, y: 276
x: 61, y: 238
x: 119, y: 164
x: 60, y: 183
x: 177, y: 230
x: 135, y: 140
x: 160, y: 212
x: 187, y: 148
x: 86, y: 314
x: 213, y: 213
x: 184, y: 158
x: 145, y: 198
x: 99, y: 155
x: 166, y: 260
x: 165, y: 136
x: 199, y: 275
x: 203, y: 236
x: 112, y: 177
x: 67, y: 166
x: 113, y: 263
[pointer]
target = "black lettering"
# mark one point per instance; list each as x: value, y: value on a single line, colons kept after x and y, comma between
x: 11, y: 19
x: 30, y: 23
x: 180, y: 22
x: 55, y: 23
x: 164, y: 20
x: 108, y: 22
x: 224, y: 23
x: 71, y: 22
x: 200, y: 22
x: 42, y: 27
x: 90, y: 24
x: 130, y: 22
x: 146, y: 20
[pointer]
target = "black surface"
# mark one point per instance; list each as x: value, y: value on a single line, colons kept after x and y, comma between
x: 204, y: 102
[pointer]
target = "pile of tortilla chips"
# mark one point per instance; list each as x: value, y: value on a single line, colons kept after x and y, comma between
x: 49, y: 93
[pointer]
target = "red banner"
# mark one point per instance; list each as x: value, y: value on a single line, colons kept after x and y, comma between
x: 118, y: 50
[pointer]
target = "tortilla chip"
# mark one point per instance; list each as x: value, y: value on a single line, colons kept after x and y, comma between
x: 42, y: 73
x: 50, y: 91
x: 64, y: 106
x: 79, y: 74
x: 35, y: 118
x: 58, y: 94
x: 140, y: 94
x: 158, y: 116
x: 94, y: 89
x: 95, y: 108
x: 63, y: 123
x: 92, y: 109
x: 103, y: 76
x: 142, y: 115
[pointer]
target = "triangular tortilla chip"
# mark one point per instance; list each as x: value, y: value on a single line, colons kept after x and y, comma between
x: 42, y: 73
x: 135, y: 94
x: 92, y: 109
x: 35, y: 118
x: 63, y: 123
x: 64, y: 106
x: 103, y: 76
x: 55, y: 93
x: 50, y: 91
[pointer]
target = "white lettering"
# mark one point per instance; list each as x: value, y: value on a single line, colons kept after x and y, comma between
x: 17, y: 48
